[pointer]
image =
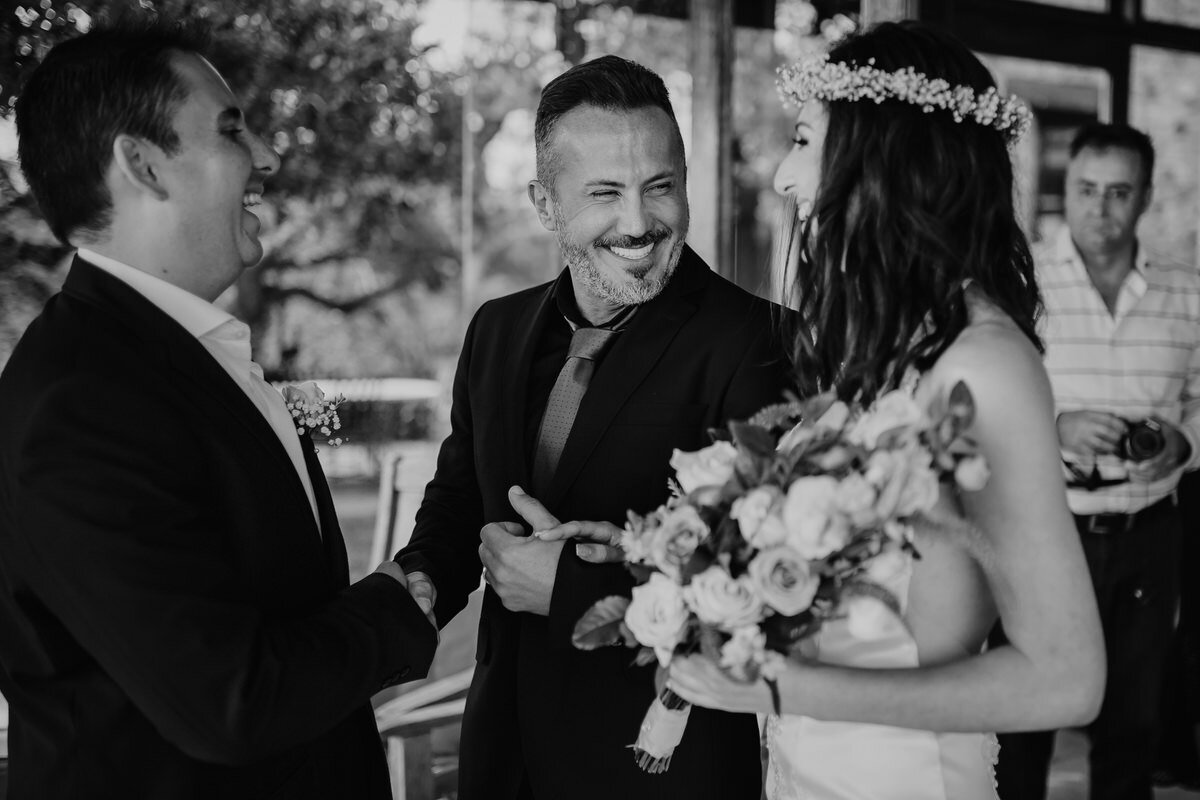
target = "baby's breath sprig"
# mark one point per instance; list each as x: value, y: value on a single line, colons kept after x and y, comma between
x: 313, y: 413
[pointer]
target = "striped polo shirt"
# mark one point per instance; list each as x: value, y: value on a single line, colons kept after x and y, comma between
x: 1142, y: 360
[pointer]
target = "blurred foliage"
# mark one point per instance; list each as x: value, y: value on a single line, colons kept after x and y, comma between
x: 364, y: 225
x: 367, y: 132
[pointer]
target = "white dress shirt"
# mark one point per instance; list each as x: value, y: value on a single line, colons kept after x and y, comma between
x: 227, y: 340
x: 1139, y: 360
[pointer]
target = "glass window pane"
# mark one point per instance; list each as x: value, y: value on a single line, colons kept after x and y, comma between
x: 1167, y: 107
x: 1180, y: 12
x: 1062, y: 97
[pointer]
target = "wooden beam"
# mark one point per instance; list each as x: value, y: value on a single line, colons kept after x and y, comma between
x: 1030, y: 29
x: 710, y: 163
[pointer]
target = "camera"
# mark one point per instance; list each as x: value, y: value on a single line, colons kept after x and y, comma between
x: 1142, y: 441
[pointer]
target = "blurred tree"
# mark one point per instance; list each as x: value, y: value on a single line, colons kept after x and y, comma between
x: 368, y: 132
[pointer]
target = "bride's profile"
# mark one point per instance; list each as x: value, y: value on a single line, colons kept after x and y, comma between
x: 912, y: 272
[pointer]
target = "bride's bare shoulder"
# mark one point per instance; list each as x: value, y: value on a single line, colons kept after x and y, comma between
x: 992, y: 355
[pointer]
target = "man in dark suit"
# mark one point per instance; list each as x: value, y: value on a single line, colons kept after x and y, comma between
x: 683, y: 351
x: 176, y: 619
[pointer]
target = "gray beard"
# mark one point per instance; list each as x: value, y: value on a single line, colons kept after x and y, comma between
x: 627, y: 293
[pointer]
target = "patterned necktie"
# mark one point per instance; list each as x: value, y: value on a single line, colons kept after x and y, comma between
x: 587, y: 344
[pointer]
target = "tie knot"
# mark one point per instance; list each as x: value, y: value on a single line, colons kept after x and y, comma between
x: 589, y: 343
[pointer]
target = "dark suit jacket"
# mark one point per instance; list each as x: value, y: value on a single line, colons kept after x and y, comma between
x: 701, y: 353
x: 172, y: 625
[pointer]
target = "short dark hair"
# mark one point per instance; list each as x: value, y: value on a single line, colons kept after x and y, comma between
x: 1105, y: 135
x: 115, y: 79
x: 608, y: 82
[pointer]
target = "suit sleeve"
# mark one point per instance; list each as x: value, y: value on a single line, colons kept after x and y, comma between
x: 445, y: 539
x: 758, y: 375
x: 148, y: 589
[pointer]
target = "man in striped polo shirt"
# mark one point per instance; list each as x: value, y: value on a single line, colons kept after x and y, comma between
x: 1122, y: 333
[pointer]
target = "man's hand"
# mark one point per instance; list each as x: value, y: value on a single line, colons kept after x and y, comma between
x: 521, y: 569
x: 601, y: 540
x: 423, y: 591
x: 1090, y: 433
x: 1175, y: 451
x: 597, y: 542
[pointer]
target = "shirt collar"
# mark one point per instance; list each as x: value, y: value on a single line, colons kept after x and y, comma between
x: 1066, y: 250
x: 195, y: 314
x: 564, y: 299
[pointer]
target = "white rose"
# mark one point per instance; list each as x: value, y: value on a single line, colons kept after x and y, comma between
x: 815, y: 526
x: 783, y: 580
x: 747, y: 647
x: 855, y: 498
x: 835, y: 416
x: 657, y: 615
x: 711, y: 466
x: 905, y: 480
x: 868, y: 618
x: 920, y: 489
x: 306, y: 394
x: 719, y: 599
x: 887, y: 567
x: 757, y: 515
x: 894, y: 410
x: 972, y: 473
x: 676, y: 539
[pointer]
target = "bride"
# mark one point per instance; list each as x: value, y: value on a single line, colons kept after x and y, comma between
x: 911, y: 263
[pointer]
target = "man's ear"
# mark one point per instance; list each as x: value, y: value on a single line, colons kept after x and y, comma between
x: 138, y: 162
x: 543, y: 204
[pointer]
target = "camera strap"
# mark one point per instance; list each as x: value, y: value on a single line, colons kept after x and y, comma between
x: 1089, y: 482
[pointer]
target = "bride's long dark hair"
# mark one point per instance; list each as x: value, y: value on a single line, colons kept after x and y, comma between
x: 911, y: 205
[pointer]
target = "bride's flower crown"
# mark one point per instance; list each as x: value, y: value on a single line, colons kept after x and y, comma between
x: 820, y: 79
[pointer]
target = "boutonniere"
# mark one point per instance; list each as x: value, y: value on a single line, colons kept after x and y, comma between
x: 312, y: 413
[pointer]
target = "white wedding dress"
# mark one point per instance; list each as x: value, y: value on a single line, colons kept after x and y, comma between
x: 815, y: 760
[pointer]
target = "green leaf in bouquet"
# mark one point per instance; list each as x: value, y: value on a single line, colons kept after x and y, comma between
x: 602, y: 625
x: 962, y: 405
x: 701, y: 559
x: 749, y: 471
x: 711, y: 641
x: 728, y: 536
x: 641, y: 572
x: 752, y: 439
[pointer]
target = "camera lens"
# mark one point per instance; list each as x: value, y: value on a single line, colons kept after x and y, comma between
x: 1143, y: 440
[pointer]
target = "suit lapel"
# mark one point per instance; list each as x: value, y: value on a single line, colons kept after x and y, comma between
x: 193, y: 368
x: 331, y: 532
x: 515, y: 378
x: 636, y: 351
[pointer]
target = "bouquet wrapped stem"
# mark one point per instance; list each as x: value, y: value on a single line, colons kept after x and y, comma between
x: 661, y: 731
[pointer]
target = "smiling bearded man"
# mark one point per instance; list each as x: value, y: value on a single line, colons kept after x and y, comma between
x: 579, y: 390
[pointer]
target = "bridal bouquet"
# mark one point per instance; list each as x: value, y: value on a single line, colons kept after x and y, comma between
x: 767, y: 536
